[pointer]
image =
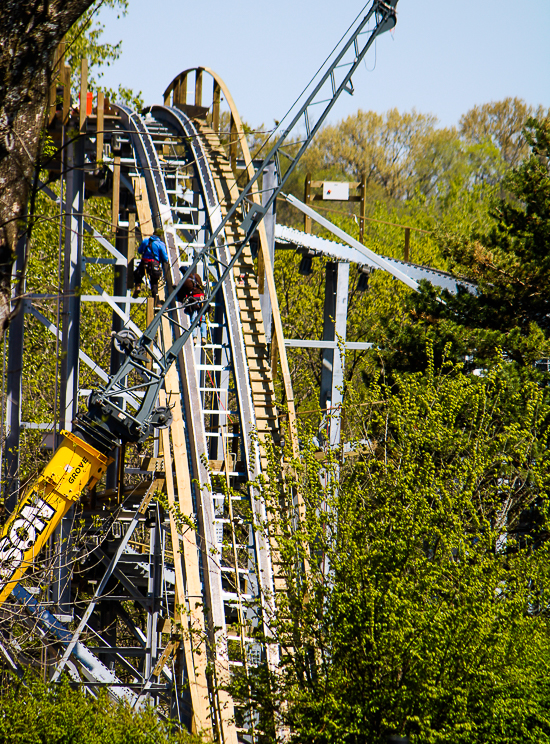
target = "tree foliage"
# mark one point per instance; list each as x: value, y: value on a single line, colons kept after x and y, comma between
x: 501, y: 123
x: 35, y: 712
x: 414, y: 600
x: 84, y: 39
x: 508, y: 260
x: 401, y: 154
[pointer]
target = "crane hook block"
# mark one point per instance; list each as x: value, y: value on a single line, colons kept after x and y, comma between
x: 74, y: 465
x: 161, y: 418
x: 125, y: 341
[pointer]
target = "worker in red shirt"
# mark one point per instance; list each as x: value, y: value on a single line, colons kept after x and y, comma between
x: 192, y: 295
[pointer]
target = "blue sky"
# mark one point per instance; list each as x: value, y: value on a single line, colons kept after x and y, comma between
x: 443, y: 58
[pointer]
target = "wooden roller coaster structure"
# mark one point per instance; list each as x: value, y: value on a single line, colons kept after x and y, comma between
x: 174, y: 595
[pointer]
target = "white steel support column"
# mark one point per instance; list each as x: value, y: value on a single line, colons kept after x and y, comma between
x: 154, y: 591
x: 334, y: 329
x: 70, y: 344
x: 72, y: 273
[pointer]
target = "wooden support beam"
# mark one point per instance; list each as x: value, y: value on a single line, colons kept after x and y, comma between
x: 83, y: 94
x: 150, y: 311
x: 142, y: 206
x: 261, y: 273
x: 115, y: 200
x: 274, y: 356
x: 182, y: 90
x: 198, y: 87
x: 100, y: 126
x: 216, y: 96
x: 233, y: 138
x: 57, y: 67
x: 406, y: 249
x: 131, y: 250
x: 66, y: 80
x: 185, y: 551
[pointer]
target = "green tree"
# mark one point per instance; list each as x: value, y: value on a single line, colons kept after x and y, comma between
x: 502, y: 124
x: 35, y: 712
x: 422, y: 609
x: 401, y: 154
x: 509, y: 261
x: 84, y: 39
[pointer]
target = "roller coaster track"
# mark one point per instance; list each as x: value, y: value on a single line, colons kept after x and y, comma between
x: 220, y: 595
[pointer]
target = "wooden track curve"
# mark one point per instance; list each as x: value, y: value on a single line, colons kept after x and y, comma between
x: 176, y: 93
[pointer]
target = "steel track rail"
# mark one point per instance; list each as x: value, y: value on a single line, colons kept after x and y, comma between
x: 186, y: 129
x: 147, y: 162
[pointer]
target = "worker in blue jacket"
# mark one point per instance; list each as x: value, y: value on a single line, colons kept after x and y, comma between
x: 153, y: 256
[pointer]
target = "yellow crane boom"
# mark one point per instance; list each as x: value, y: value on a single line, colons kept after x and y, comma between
x: 74, y: 465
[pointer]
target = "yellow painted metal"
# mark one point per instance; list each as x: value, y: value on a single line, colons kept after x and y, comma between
x: 74, y: 465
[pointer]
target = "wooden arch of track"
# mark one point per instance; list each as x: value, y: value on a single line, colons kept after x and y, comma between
x: 213, y: 711
x: 176, y: 94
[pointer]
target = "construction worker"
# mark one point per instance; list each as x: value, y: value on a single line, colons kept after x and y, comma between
x: 153, y: 256
x: 192, y: 295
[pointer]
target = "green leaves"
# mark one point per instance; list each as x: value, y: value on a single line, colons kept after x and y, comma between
x: 34, y: 712
x: 84, y: 40
x: 414, y: 598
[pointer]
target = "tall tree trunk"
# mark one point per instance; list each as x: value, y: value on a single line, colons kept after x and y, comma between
x: 29, y: 33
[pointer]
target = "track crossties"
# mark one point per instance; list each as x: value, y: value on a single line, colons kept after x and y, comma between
x: 261, y: 379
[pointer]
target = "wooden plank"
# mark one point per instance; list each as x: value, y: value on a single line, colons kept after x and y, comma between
x: 274, y: 356
x: 115, y: 199
x: 189, y: 551
x: 182, y: 90
x: 83, y: 94
x: 233, y: 143
x: 142, y: 206
x: 100, y: 126
x: 131, y: 250
x: 198, y: 87
x: 363, y: 209
x: 192, y: 639
x: 319, y: 197
x: 216, y: 96
x: 307, y: 202
x: 66, y: 80
x: 351, y: 184
x: 168, y: 652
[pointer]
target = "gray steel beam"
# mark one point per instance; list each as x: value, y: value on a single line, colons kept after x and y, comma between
x: 13, y: 389
x: 154, y: 594
x: 334, y: 330
x: 120, y: 273
x: 72, y: 272
x: 314, y: 344
x: 70, y: 346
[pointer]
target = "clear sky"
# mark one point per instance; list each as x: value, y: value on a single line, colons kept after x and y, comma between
x: 444, y: 56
